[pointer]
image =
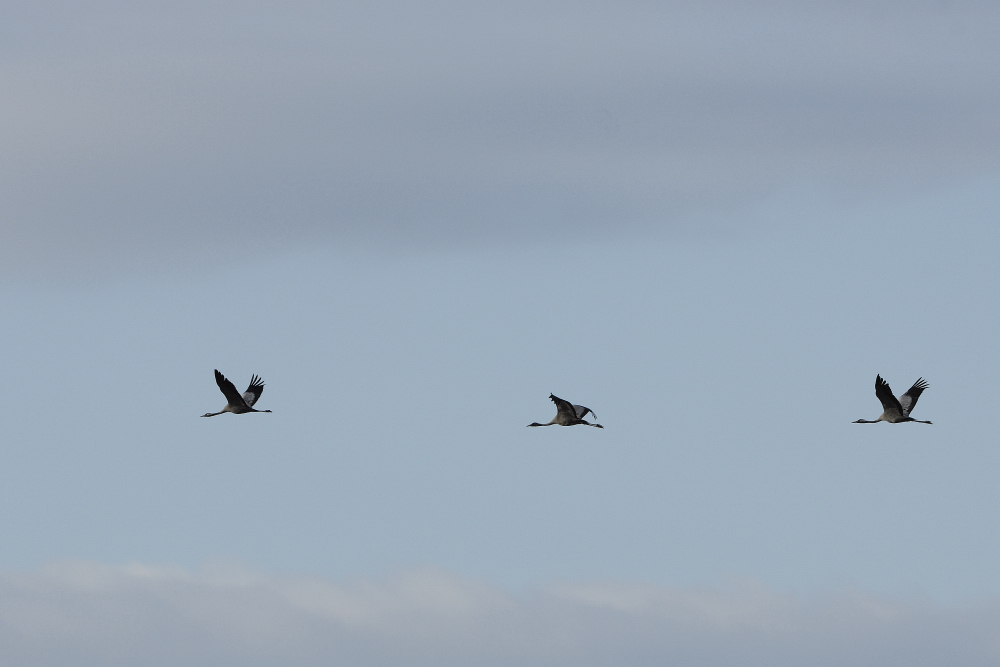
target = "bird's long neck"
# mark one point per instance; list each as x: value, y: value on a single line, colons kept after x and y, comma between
x: 865, y: 421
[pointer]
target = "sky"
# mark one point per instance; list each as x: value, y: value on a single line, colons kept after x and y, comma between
x: 712, y: 223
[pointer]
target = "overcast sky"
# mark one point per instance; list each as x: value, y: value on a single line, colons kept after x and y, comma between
x: 712, y: 223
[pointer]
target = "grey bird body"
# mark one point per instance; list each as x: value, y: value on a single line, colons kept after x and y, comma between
x: 896, y: 410
x: 568, y: 414
x: 238, y: 403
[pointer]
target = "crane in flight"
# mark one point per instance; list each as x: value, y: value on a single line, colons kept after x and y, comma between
x: 568, y: 414
x: 896, y: 410
x: 238, y: 403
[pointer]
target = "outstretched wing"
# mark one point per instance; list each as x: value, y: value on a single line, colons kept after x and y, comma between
x: 884, y: 395
x: 228, y: 389
x: 909, y: 400
x: 563, y: 407
x: 581, y: 411
x: 254, y: 391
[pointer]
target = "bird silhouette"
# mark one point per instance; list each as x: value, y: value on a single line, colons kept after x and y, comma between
x: 238, y: 403
x: 568, y: 414
x: 896, y: 410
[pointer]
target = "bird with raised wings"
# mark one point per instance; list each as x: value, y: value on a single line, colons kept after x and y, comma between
x: 896, y: 410
x: 568, y: 414
x: 238, y: 403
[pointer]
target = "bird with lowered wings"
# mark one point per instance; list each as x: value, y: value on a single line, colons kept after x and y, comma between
x: 568, y: 414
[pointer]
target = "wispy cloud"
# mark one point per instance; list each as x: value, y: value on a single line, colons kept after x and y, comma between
x: 92, y: 614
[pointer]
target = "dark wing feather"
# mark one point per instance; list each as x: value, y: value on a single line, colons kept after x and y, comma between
x: 581, y: 411
x: 884, y: 395
x: 254, y: 391
x: 563, y: 407
x: 909, y: 400
x: 228, y: 389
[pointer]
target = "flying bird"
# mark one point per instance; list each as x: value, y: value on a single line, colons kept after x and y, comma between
x: 568, y: 414
x: 237, y: 403
x: 896, y: 410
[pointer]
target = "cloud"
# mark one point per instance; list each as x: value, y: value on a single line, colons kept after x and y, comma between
x: 91, y: 614
x: 163, y: 131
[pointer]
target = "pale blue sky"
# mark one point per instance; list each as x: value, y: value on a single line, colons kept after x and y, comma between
x: 726, y: 370
x: 712, y: 224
